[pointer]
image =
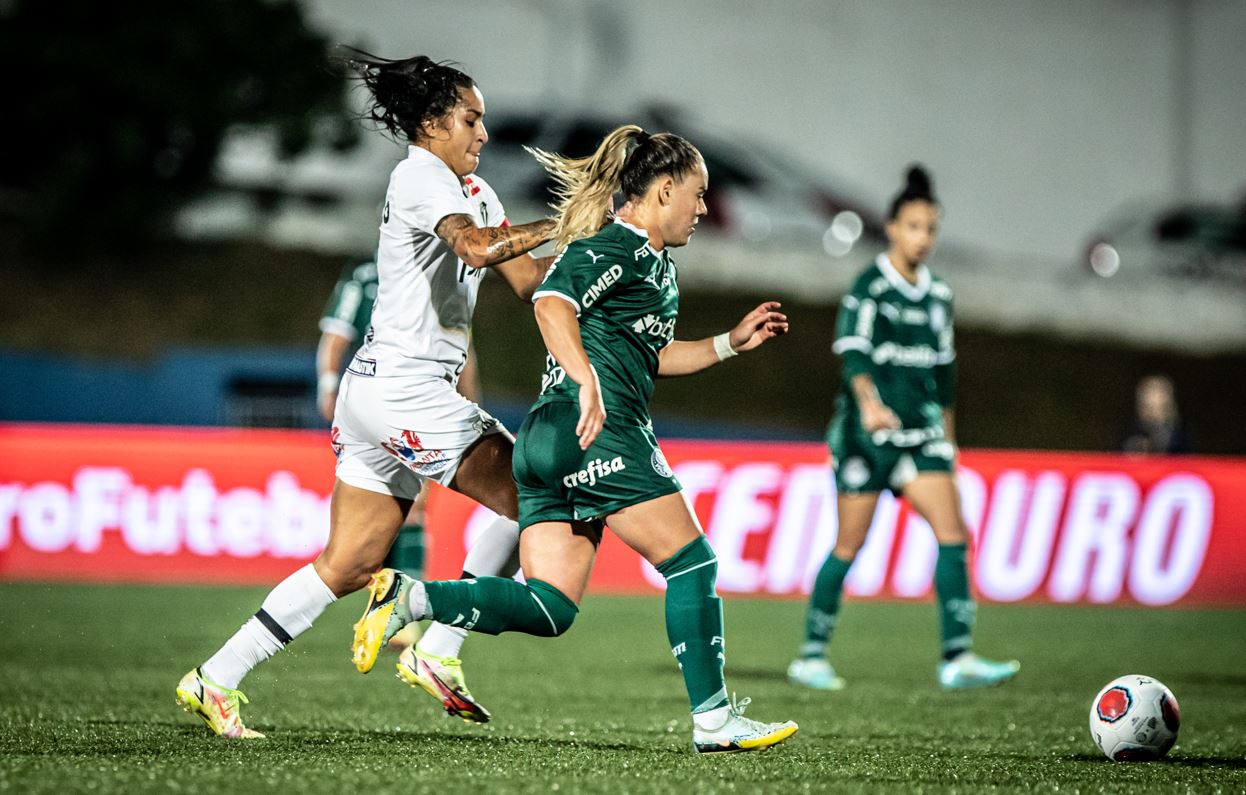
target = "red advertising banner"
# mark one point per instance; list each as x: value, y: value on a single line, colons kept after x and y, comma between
x: 142, y: 504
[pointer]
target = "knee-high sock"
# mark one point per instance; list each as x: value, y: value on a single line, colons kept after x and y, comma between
x: 495, y: 553
x: 287, y: 612
x: 407, y: 553
x: 957, y: 610
x: 823, y: 610
x: 494, y: 605
x: 694, y: 623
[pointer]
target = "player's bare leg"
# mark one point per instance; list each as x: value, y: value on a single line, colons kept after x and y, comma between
x: 409, y: 555
x: 362, y: 526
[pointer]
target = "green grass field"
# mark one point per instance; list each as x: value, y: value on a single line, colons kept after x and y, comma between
x: 87, y: 676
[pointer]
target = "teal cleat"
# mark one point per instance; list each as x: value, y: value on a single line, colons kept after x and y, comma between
x: 814, y: 673
x: 967, y: 670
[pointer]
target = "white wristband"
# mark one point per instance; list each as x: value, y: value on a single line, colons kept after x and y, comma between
x: 722, y: 346
x: 327, y: 382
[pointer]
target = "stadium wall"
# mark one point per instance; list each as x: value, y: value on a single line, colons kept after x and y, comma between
x: 116, y: 503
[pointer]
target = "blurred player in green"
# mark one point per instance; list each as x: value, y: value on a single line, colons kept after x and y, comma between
x: 894, y: 429
x: 342, y: 328
x: 586, y: 456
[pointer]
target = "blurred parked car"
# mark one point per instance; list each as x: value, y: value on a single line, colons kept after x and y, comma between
x: 1200, y: 242
x: 754, y: 195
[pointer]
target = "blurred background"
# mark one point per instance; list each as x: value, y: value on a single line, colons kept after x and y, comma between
x: 182, y: 185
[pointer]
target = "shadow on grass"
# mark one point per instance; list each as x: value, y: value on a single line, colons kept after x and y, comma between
x: 1230, y: 763
x: 314, y: 737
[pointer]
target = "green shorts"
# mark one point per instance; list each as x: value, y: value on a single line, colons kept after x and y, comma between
x: 862, y: 467
x: 559, y: 482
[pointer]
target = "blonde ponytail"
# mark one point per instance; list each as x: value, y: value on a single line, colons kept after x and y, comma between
x: 585, y: 185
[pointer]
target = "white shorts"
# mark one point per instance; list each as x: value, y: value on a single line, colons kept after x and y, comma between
x: 390, y: 434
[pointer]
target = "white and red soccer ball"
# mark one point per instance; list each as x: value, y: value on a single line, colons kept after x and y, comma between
x: 1134, y: 718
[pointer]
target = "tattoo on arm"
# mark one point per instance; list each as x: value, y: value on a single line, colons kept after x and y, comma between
x: 481, y: 247
x: 452, y: 227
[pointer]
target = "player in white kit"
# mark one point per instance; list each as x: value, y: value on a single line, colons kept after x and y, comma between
x: 398, y: 419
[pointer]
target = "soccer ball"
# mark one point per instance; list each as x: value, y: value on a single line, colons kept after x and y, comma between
x: 1134, y: 718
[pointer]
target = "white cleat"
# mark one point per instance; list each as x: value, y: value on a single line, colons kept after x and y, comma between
x: 739, y: 733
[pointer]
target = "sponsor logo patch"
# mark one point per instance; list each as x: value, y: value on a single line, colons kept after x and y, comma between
x: 364, y: 367
x: 408, y: 449
x: 603, y: 283
x: 594, y: 471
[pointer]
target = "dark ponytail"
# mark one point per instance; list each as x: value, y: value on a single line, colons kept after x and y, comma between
x: 407, y: 92
x: 917, y: 187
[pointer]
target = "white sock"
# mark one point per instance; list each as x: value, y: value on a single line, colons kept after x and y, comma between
x: 712, y: 719
x: 287, y: 612
x: 495, y: 553
x: 417, y: 602
x: 442, y: 641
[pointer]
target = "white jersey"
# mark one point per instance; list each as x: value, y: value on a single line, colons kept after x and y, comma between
x: 424, y: 304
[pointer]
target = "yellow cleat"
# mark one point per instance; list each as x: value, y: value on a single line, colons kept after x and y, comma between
x: 386, y: 613
x: 216, y: 706
x: 441, y: 678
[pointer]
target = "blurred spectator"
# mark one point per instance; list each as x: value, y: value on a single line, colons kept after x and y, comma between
x: 1156, y: 428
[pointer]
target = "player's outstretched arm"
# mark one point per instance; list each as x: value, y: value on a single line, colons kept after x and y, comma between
x: 482, y: 246
x: 685, y: 358
x: 560, y: 329
x: 329, y: 354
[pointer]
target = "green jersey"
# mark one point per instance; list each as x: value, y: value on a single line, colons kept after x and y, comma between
x: 626, y: 298
x: 901, y: 335
x: 349, y: 311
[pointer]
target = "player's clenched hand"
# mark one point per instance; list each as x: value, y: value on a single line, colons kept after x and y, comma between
x: 875, y: 416
x: 592, y: 413
x: 327, y: 401
x: 763, y: 323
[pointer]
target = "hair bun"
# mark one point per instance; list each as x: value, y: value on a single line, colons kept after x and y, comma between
x: 917, y: 181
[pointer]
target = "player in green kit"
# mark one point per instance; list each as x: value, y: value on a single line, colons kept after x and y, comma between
x: 586, y: 455
x: 893, y: 429
x: 343, y: 324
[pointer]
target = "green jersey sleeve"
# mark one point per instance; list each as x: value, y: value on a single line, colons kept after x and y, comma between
x: 854, y: 330
x: 349, y: 310
x: 945, y: 361
x: 586, y: 272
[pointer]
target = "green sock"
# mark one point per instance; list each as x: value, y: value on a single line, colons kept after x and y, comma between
x: 694, y: 623
x: 824, y: 606
x: 956, y: 609
x: 407, y: 553
x: 494, y: 605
